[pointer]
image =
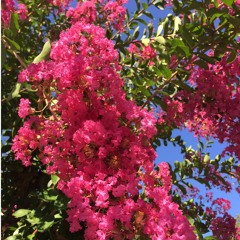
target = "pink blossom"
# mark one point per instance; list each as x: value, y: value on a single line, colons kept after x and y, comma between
x: 168, y: 3
x: 119, y: 191
x: 132, y: 48
x: 25, y: 142
x: 24, y: 108
x: 22, y: 11
x: 7, y: 9
x: 148, y: 53
x: 60, y: 3
x: 115, y: 14
x: 224, y: 227
x: 98, y: 142
x: 222, y: 204
x: 85, y: 11
x: 112, y: 13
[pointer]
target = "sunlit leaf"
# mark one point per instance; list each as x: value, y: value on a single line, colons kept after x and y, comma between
x: 145, y: 41
x: 228, y: 2
x: 21, y: 212
x: 44, y: 55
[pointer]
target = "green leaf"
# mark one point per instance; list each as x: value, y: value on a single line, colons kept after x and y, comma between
x: 177, y: 165
x: 165, y: 71
x: 57, y: 216
x: 13, y: 44
x: 14, y: 25
x: 50, y: 195
x: 141, y: 21
x: 3, y: 54
x: 145, y: 41
x: 157, y: 71
x: 228, y: 2
x: 177, y: 45
x: 201, y: 145
x: 135, y: 33
x: 54, y: 179
x: 159, y: 4
x: 174, y: 92
x: 145, y: 5
x: 21, y: 212
x: 177, y: 23
x: 31, y: 236
x: 183, y: 86
x: 131, y: 25
x: 33, y: 219
x: 159, y: 30
x: 203, y: 181
x: 138, y: 4
x: 15, y: 92
x: 46, y: 225
x: 44, y: 55
x: 191, y: 220
x: 11, y: 238
x: 187, y: 37
x: 182, y: 188
x: 148, y: 14
x: 206, y: 158
x: 160, y: 39
x: 150, y: 30
x: 232, y: 56
x: 144, y: 91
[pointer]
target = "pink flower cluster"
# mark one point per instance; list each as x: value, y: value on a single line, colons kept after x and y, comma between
x: 60, y: 3
x: 98, y: 142
x: 213, y: 108
x: 8, y: 7
x: 26, y: 141
x: 221, y: 205
x: 22, y: 11
x: 24, y: 108
x: 109, y: 12
x: 85, y: 11
x: 148, y: 53
x: 144, y: 53
x: 224, y: 228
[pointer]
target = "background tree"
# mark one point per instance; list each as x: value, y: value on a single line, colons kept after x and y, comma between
x: 184, y: 70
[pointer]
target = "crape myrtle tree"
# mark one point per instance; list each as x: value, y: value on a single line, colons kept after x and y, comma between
x: 90, y: 90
